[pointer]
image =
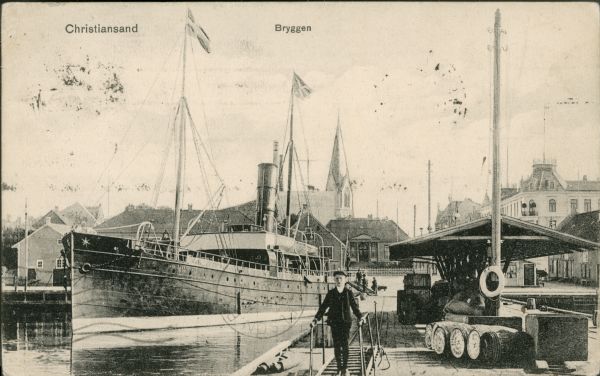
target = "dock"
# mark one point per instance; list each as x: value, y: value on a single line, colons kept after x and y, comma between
x: 401, y: 350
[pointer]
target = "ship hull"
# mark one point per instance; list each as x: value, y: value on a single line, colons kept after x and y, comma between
x: 113, y: 280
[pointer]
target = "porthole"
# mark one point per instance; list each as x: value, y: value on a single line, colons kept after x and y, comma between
x: 211, y: 276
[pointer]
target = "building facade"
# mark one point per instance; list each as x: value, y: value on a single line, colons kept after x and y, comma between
x: 40, y: 259
x: 457, y: 212
x: 546, y: 199
x: 579, y: 267
x: 368, y: 239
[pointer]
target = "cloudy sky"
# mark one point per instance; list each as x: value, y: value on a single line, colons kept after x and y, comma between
x: 411, y: 83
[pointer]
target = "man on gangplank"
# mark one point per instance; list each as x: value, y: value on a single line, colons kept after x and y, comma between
x: 339, y: 303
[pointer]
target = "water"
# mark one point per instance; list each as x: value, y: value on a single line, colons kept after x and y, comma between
x: 43, y: 346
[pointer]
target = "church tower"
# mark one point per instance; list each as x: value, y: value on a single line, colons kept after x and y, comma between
x: 338, y: 179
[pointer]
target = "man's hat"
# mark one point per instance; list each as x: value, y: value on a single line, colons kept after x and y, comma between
x: 340, y: 272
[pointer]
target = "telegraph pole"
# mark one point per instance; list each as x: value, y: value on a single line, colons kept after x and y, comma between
x: 414, y: 221
x: 496, y: 220
x: 429, y: 196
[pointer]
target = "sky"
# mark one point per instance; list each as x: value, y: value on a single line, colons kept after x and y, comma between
x: 410, y: 82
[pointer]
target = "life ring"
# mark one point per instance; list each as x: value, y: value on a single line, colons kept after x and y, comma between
x: 85, y: 268
x: 483, y: 278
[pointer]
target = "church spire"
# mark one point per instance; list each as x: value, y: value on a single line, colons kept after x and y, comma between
x: 334, y: 178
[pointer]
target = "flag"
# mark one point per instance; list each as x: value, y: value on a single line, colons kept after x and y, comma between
x: 194, y: 29
x: 301, y: 89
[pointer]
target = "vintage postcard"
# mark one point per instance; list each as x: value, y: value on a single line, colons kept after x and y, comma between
x: 339, y: 188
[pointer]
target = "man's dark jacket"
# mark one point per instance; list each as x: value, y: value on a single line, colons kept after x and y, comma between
x: 341, y: 305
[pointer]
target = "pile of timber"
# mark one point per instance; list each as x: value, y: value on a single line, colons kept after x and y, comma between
x: 489, y: 344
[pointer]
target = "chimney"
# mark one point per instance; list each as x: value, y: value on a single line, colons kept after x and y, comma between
x: 56, y: 208
x: 48, y: 220
x: 584, y: 177
x: 189, y: 207
x: 370, y: 216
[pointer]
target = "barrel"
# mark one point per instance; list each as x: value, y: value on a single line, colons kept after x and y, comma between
x: 496, y: 344
x: 530, y: 303
x: 428, y: 334
x: 474, y: 338
x: 440, y: 338
x: 458, y: 340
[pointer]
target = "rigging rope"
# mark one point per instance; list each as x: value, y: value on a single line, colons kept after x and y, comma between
x: 135, y: 116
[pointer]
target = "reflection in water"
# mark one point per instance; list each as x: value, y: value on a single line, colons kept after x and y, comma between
x: 42, y: 346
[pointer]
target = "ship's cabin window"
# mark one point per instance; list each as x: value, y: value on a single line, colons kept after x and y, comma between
x: 552, y: 205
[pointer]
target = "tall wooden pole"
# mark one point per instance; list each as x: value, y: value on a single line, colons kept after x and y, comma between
x: 496, y: 219
x: 414, y: 221
x: 428, y: 196
x: 180, y: 160
x: 26, y: 248
x: 290, y: 164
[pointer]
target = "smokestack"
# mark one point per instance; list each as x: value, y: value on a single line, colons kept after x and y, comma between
x: 275, y: 153
x: 266, y: 196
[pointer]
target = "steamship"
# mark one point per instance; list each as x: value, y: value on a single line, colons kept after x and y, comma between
x: 146, y: 281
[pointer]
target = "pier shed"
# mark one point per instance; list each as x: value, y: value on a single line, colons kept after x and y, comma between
x: 463, y: 250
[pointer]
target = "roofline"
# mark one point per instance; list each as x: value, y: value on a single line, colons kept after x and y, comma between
x: 16, y: 245
x: 508, y: 220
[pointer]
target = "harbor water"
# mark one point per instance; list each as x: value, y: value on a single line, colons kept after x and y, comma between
x: 42, y: 345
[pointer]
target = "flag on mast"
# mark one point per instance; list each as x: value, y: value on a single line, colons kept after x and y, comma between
x: 301, y: 89
x: 196, y: 30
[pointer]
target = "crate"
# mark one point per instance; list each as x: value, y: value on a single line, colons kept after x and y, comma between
x: 417, y: 281
x: 558, y: 337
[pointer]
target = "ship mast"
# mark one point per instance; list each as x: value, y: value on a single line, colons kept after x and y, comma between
x: 290, y: 163
x: 181, y: 147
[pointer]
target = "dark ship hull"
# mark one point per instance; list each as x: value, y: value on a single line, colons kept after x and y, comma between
x: 118, y: 278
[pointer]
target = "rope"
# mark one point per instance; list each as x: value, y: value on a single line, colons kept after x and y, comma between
x: 118, y: 227
x: 136, y: 115
x: 161, y: 174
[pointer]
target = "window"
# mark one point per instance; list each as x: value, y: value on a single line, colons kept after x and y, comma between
x: 60, y: 263
x: 512, y: 271
x: 587, y: 205
x: 326, y: 251
x: 386, y: 252
x: 346, y: 198
x: 551, y: 185
x: 552, y: 205
x: 58, y: 241
x: 532, y: 208
x: 40, y: 264
x: 573, y: 205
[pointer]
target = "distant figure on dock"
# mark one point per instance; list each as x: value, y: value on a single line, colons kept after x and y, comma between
x: 339, y: 303
x: 374, y: 285
x: 348, y: 262
x: 364, y: 282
